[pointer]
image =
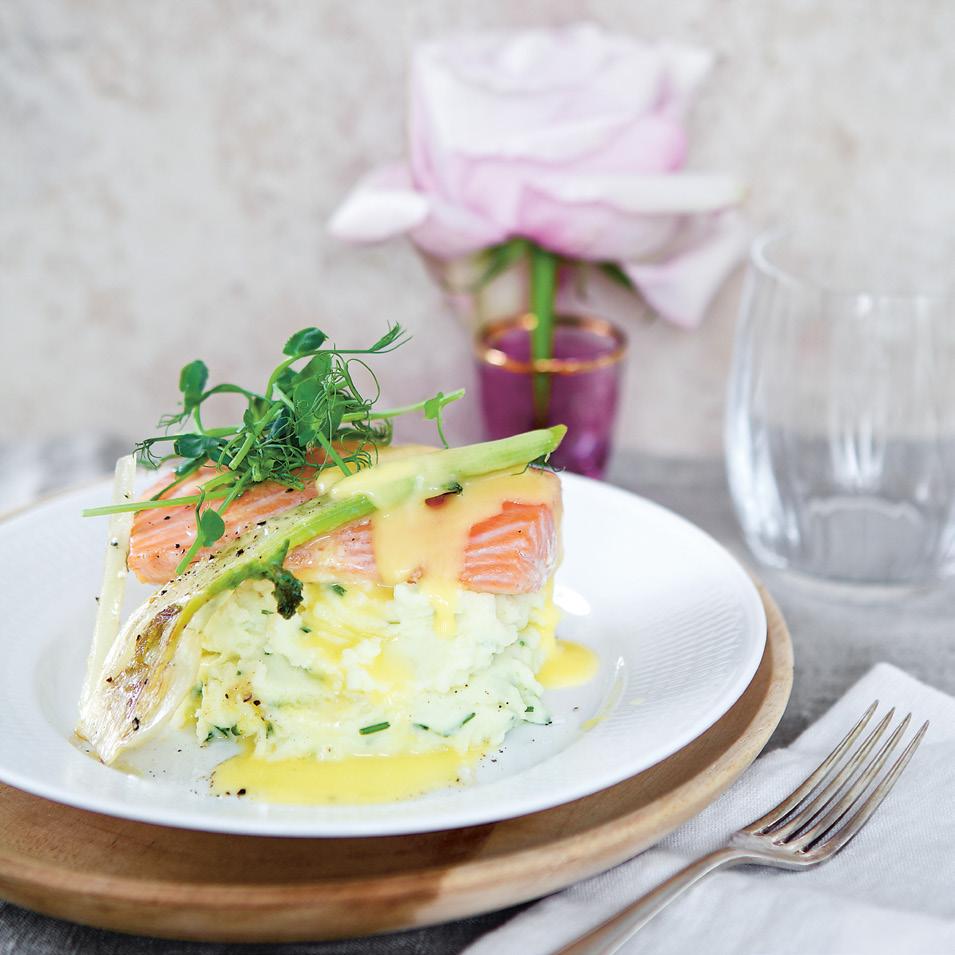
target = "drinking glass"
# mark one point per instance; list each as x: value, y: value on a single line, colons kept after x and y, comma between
x: 581, y: 382
x: 839, y: 424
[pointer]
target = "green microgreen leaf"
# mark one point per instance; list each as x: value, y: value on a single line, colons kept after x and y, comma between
x: 187, y: 467
x: 305, y: 342
x: 192, y: 381
x: 393, y: 338
x: 199, y: 446
x: 211, y: 527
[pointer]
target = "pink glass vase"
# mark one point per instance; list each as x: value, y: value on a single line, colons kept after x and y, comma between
x: 581, y: 384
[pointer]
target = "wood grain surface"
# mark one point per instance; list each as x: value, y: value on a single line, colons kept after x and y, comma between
x: 151, y: 880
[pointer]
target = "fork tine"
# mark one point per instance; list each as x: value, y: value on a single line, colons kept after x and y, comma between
x: 830, y: 790
x: 800, y: 792
x: 829, y: 816
x: 835, y: 842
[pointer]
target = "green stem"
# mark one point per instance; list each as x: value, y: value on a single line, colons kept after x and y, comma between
x: 186, y: 559
x: 149, y: 505
x: 332, y: 453
x: 232, y: 493
x: 227, y: 477
x: 404, y: 409
x: 543, y: 288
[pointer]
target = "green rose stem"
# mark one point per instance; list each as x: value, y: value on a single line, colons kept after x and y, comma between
x: 543, y: 286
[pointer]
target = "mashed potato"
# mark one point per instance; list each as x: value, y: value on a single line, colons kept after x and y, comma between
x: 362, y: 670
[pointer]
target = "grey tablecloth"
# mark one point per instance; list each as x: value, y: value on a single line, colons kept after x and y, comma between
x: 837, y: 635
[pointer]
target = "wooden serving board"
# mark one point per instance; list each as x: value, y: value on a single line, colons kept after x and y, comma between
x: 152, y: 880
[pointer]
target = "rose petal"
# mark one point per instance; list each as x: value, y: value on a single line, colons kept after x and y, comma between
x: 681, y: 288
x: 450, y: 231
x: 645, y: 195
x: 617, y: 218
x: 594, y: 230
x: 490, y: 112
x: 383, y: 204
x: 686, y: 69
x: 545, y: 95
x: 653, y: 144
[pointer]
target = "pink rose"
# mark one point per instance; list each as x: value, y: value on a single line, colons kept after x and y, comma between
x: 573, y: 138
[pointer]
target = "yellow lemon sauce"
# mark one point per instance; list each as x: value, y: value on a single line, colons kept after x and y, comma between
x: 569, y: 664
x: 355, y: 779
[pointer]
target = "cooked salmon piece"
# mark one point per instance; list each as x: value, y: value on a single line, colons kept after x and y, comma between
x: 512, y: 552
x: 344, y: 555
x: 161, y: 535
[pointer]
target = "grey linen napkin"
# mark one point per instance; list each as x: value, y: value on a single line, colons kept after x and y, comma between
x: 891, y: 890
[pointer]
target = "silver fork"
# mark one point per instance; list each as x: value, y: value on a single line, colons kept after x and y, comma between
x: 808, y: 827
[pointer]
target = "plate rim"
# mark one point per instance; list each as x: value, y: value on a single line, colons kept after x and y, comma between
x: 265, y: 827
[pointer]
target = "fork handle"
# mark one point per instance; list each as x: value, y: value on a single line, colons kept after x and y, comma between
x: 610, y: 935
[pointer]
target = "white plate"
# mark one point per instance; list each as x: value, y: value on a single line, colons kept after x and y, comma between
x: 677, y: 624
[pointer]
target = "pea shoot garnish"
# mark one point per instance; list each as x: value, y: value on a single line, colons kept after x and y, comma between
x: 310, y: 416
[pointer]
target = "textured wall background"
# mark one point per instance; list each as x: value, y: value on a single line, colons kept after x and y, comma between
x: 166, y: 170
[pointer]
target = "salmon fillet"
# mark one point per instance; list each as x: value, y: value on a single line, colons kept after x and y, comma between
x: 512, y: 552
x: 160, y: 536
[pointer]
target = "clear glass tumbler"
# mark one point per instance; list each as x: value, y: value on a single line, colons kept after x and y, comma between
x: 840, y: 421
